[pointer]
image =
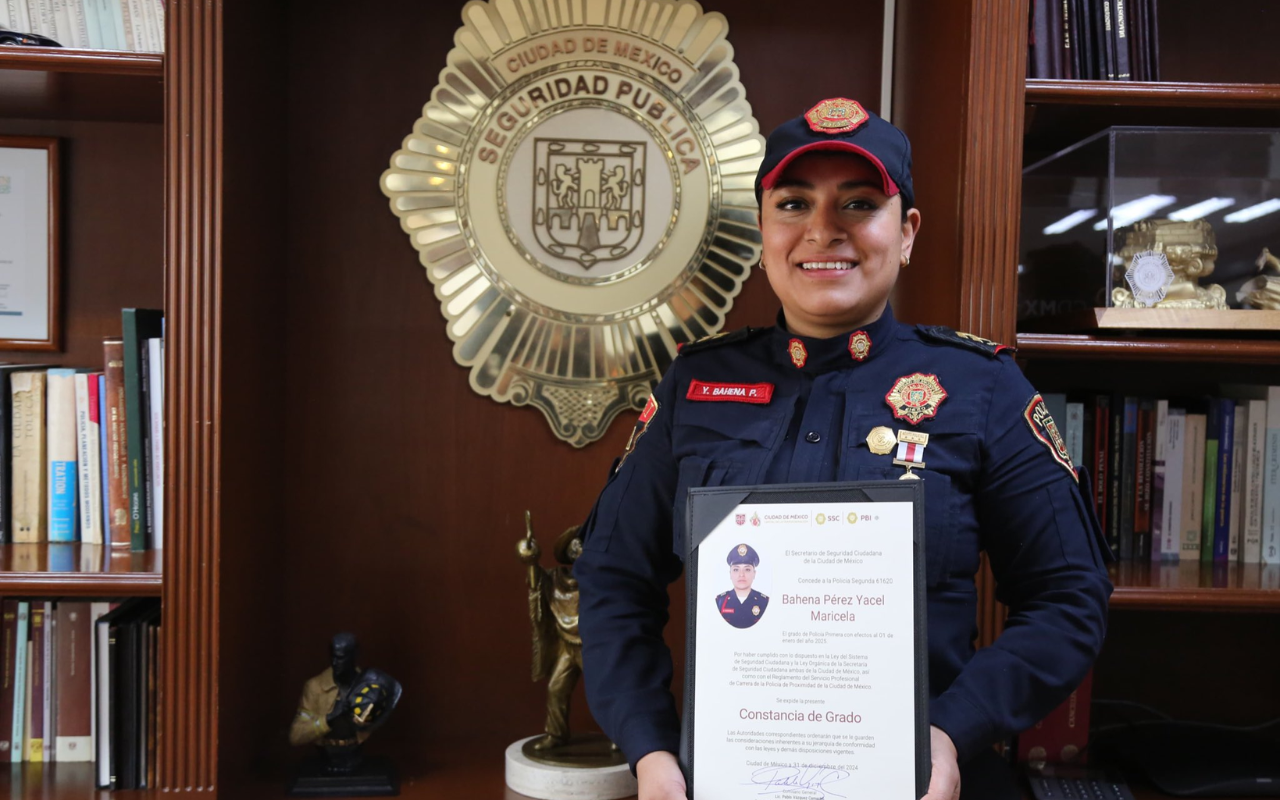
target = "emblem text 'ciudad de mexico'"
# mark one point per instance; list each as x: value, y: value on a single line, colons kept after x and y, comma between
x: 580, y: 191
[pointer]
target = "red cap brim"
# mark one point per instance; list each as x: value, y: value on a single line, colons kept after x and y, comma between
x: 890, y: 188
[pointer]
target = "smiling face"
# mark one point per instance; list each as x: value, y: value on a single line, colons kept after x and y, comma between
x: 742, y: 575
x: 833, y: 242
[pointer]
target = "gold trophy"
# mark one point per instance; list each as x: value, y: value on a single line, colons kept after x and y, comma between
x: 1190, y: 249
x: 547, y: 766
x: 1264, y: 290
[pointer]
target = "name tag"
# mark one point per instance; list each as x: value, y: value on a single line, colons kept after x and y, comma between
x: 759, y: 393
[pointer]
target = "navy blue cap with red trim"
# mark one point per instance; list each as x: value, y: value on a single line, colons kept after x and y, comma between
x: 841, y: 125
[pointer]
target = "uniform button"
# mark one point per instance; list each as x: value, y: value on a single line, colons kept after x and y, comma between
x: 813, y: 437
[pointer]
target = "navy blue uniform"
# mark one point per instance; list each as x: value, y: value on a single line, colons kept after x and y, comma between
x: 795, y: 409
x: 742, y: 614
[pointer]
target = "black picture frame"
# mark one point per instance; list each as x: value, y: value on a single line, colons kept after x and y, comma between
x: 708, y: 506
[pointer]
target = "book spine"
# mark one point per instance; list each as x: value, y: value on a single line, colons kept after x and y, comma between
x: 17, y: 749
x: 119, y: 522
x: 88, y: 13
x: 104, y: 460
x: 62, y: 455
x: 50, y: 690
x: 1128, y: 477
x: 6, y: 485
x: 1159, y: 467
x: 1193, y: 486
x: 1070, y: 66
x: 19, y: 20
x: 1239, y: 463
x: 1213, y: 430
x: 1271, y: 488
x: 1101, y: 462
x: 1222, y: 484
x: 155, y: 469
x: 74, y: 742
x: 1153, y: 30
x: 1115, y: 469
x: 1143, y: 480
x: 1075, y: 432
x: 80, y: 21
x: 1108, y: 37
x: 8, y: 649
x: 116, y: 9
x: 96, y: 610
x: 131, y: 38
x: 1171, y: 502
x: 1038, y: 46
x: 1251, y: 552
x: 138, y: 438
x: 103, y: 688
x: 93, y: 454
x: 85, y: 504
x: 27, y: 457
x: 35, y: 703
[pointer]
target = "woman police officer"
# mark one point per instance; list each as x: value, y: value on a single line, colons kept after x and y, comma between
x: 838, y: 223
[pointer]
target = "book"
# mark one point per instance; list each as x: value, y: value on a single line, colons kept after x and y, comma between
x: 50, y: 687
x: 27, y: 456
x: 1038, y: 48
x: 8, y: 651
x: 139, y: 325
x: 1235, y: 487
x: 61, y: 421
x: 1212, y: 432
x: 17, y: 739
x: 1158, y: 469
x: 36, y: 684
x: 1171, y: 499
x: 107, y: 740
x: 1193, y: 485
x: 1107, y: 37
x: 1070, y: 65
x: 1271, y: 481
x: 1128, y: 469
x: 116, y: 12
x: 1075, y: 433
x: 6, y: 434
x: 120, y: 528
x: 104, y: 463
x: 1120, y: 24
x: 74, y: 737
x: 1101, y: 460
x: 155, y: 419
x: 1255, y: 442
x: 88, y: 452
x: 1145, y: 439
x: 97, y: 610
x: 1222, y: 478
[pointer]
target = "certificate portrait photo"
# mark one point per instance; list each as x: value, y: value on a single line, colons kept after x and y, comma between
x: 742, y: 606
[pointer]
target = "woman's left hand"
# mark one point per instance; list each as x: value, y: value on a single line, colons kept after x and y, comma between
x: 944, y: 783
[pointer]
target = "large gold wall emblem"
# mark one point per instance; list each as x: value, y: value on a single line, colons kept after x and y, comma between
x: 580, y: 190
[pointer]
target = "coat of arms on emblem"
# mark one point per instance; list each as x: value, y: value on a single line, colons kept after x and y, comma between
x: 588, y: 198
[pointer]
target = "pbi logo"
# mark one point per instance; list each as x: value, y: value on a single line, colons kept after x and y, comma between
x: 852, y: 518
x: 741, y: 519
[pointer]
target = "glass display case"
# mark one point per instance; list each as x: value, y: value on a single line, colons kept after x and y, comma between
x: 1153, y: 227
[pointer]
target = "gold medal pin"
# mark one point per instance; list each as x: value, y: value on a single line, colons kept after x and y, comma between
x: 910, y: 454
x: 881, y: 440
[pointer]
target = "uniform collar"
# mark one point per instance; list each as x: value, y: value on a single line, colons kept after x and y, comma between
x: 816, y: 356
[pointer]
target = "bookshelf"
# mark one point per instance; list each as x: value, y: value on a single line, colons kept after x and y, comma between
x: 58, y: 83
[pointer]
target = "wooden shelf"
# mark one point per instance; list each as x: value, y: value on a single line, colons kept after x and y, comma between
x: 1162, y: 94
x: 1089, y: 346
x: 1192, y: 587
x: 58, y: 83
x: 75, y: 570
x: 57, y: 782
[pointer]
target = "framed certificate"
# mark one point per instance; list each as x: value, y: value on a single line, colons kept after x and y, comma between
x: 807, y: 672
x: 29, y: 244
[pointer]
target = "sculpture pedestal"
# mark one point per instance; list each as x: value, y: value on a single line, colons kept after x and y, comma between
x: 374, y: 777
x: 548, y: 782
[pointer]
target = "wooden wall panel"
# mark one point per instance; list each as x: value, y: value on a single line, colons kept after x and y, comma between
x: 404, y: 492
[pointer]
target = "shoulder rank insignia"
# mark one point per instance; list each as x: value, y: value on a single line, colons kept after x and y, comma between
x: 642, y: 425
x: 1046, y: 430
x: 717, y: 339
x: 945, y: 335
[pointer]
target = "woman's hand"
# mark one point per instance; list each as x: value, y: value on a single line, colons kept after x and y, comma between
x: 661, y: 779
x: 944, y: 783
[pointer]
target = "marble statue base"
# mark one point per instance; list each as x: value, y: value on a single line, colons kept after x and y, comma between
x: 550, y: 782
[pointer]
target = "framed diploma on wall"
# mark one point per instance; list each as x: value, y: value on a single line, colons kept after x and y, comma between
x: 29, y: 252
x: 807, y: 673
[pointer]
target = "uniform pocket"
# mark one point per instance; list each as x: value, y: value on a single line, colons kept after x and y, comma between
x: 695, y: 472
x: 939, y: 511
x: 735, y: 422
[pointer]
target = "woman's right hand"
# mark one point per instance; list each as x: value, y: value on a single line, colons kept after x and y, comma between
x: 660, y: 777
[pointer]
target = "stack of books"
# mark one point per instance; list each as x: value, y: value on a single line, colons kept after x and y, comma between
x: 1094, y: 40
x: 79, y: 684
x: 136, y: 25
x: 1194, y: 480
x: 82, y: 451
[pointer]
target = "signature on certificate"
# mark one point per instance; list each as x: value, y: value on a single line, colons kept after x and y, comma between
x: 798, y: 780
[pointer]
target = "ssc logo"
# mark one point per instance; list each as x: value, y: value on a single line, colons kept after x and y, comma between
x: 578, y: 191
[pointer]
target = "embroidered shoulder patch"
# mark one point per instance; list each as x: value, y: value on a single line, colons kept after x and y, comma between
x: 718, y: 339
x: 945, y: 335
x: 642, y: 425
x: 1046, y: 430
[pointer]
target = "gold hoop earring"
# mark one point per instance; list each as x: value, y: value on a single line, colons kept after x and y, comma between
x: 906, y: 262
x: 762, y: 266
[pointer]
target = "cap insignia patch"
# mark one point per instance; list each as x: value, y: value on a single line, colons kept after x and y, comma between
x: 915, y: 397
x: 836, y: 115
x: 742, y: 549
